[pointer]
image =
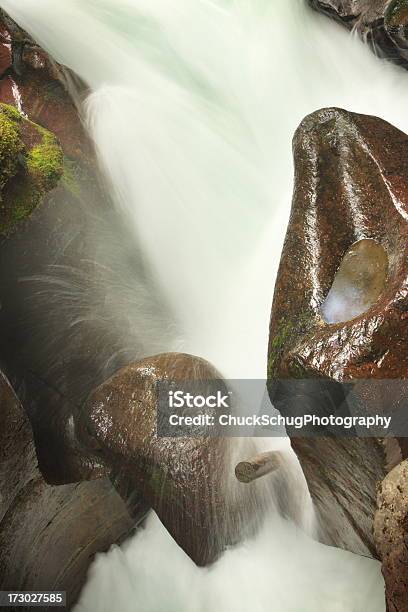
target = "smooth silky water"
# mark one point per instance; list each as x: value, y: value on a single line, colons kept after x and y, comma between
x: 193, y: 107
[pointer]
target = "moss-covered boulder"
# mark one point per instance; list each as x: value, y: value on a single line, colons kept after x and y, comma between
x: 10, y: 144
x: 31, y: 164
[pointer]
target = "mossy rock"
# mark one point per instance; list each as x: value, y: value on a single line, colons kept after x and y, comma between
x: 31, y: 165
x: 10, y: 143
x: 287, y: 332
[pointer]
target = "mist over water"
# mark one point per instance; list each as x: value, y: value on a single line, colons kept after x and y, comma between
x: 193, y: 107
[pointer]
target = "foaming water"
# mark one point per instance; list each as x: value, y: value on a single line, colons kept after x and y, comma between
x: 193, y: 109
x: 280, y: 569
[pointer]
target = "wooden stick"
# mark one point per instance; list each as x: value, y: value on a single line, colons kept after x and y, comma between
x: 261, y: 465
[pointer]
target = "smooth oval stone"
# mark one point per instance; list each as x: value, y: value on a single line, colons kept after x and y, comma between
x: 358, y: 283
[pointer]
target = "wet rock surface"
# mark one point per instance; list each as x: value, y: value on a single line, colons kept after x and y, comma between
x: 49, y: 535
x: 38, y: 87
x: 383, y: 24
x: 350, y: 185
x: 391, y: 535
x: 51, y: 202
x: 64, y: 319
x: 188, y: 481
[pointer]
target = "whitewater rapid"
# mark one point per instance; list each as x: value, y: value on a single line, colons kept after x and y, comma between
x: 193, y: 107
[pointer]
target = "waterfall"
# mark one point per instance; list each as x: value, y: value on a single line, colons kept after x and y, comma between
x: 193, y: 107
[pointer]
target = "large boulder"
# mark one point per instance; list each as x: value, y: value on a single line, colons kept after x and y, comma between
x: 383, y: 24
x: 189, y: 480
x: 49, y: 535
x: 340, y: 305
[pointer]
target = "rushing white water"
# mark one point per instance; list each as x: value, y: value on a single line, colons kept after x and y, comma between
x: 193, y: 108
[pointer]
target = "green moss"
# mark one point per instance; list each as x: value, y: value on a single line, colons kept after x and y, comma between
x: 10, y: 143
x: 279, y: 341
x: 11, y: 112
x: 23, y: 200
x: 45, y: 162
x: 288, y: 331
x: 21, y: 211
x: 297, y: 369
x: 27, y: 172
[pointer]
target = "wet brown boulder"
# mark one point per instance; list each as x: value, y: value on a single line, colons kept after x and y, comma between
x: 383, y: 24
x: 391, y: 535
x: 49, y: 535
x: 189, y: 481
x: 347, y: 238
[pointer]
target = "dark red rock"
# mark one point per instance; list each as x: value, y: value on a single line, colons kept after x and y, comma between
x: 38, y: 87
x: 8, y: 91
x: 383, y: 24
x: 350, y: 185
x: 5, y: 52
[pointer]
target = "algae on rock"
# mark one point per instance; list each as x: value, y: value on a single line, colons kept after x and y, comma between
x: 31, y: 165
